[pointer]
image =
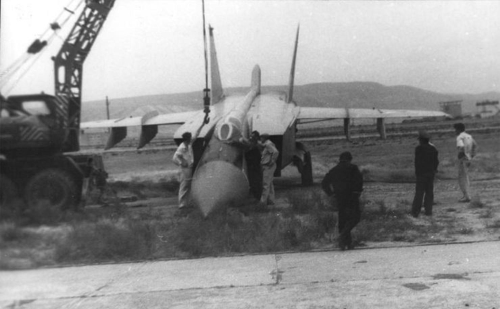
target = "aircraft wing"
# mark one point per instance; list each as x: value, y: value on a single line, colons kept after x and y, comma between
x: 309, y: 114
x: 148, y: 119
x: 149, y: 123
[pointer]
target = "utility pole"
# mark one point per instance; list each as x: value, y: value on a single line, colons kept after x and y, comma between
x: 107, y: 107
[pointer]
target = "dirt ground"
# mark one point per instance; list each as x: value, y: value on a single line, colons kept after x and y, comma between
x: 388, y: 171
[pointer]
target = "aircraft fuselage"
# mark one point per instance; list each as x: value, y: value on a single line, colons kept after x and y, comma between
x: 221, y: 177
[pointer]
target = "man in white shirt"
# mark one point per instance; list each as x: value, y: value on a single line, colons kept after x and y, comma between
x: 467, y: 148
x: 268, y: 163
x: 184, y: 158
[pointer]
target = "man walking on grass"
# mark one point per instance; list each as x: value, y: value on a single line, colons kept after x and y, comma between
x: 467, y: 148
x: 426, y: 163
x: 345, y: 182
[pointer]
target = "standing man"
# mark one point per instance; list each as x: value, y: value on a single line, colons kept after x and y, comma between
x: 268, y: 164
x: 253, y: 158
x: 426, y: 163
x: 467, y: 148
x: 184, y: 158
x: 346, y: 183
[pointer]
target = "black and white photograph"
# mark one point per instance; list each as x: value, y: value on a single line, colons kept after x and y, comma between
x: 249, y: 154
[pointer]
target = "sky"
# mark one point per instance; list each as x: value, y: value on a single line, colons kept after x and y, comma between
x: 150, y: 47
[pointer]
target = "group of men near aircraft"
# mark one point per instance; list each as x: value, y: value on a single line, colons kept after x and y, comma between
x: 344, y: 182
x: 426, y: 164
x: 261, y: 155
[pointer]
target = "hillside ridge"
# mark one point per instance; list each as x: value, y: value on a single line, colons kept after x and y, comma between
x: 344, y: 94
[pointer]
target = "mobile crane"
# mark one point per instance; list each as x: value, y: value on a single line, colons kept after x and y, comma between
x: 39, y: 132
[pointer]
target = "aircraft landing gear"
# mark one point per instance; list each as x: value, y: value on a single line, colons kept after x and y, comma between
x: 307, y: 176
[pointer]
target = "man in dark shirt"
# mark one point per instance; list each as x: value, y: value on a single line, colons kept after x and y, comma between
x: 253, y: 157
x: 426, y: 163
x: 346, y: 183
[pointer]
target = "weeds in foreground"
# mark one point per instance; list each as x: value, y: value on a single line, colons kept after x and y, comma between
x: 494, y: 225
x: 305, y: 201
x: 380, y: 222
x: 27, y: 247
x: 10, y: 232
x: 115, y: 233
x: 301, y: 226
x: 148, y: 237
x: 106, y: 240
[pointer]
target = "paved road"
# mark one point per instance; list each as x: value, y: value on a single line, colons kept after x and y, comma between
x: 438, y: 276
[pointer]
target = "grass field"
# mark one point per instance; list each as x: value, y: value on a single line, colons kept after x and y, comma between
x: 303, y: 221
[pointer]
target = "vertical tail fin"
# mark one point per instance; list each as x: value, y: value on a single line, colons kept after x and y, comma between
x: 292, y: 70
x: 217, y: 91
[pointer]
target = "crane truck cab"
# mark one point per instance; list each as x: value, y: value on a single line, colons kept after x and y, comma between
x: 32, y: 165
x: 30, y: 125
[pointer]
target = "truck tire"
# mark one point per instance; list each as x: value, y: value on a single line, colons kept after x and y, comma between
x: 8, y: 192
x: 307, y: 175
x: 55, y: 186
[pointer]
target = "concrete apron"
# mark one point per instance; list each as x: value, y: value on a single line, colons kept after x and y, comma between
x: 437, y: 276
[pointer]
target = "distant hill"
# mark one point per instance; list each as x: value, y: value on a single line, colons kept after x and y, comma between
x: 352, y: 94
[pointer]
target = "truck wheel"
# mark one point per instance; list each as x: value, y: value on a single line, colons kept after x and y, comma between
x: 8, y: 192
x: 307, y: 175
x: 54, y: 186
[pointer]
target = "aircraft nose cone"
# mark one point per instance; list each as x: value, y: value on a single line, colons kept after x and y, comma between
x: 217, y: 184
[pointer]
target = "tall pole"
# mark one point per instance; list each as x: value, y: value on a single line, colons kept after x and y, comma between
x: 107, y: 110
x: 107, y: 107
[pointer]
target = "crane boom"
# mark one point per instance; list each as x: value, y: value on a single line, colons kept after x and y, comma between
x: 68, y: 66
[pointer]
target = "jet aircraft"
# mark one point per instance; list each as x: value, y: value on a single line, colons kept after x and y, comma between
x: 221, y: 177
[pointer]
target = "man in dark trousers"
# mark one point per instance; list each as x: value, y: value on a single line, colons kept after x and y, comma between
x: 346, y: 183
x: 253, y: 157
x: 426, y: 163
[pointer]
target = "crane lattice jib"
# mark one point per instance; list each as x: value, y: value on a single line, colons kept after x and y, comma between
x: 68, y: 66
